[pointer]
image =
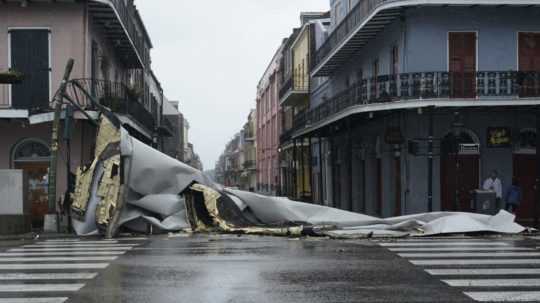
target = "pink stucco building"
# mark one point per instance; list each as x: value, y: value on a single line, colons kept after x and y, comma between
x: 111, y: 48
x: 269, y: 127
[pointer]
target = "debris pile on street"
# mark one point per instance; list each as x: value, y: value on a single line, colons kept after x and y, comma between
x: 131, y: 185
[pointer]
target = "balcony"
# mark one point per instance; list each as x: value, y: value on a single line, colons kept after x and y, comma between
x: 249, y: 165
x: 295, y: 91
x: 483, y: 88
x: 119, y: 98
x: 364, y: 21
x: 118, y: 20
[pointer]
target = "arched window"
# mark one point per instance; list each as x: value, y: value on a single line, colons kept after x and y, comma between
x: 31, y: 150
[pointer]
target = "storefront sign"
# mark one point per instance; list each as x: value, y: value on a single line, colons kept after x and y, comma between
x: 499, y: 137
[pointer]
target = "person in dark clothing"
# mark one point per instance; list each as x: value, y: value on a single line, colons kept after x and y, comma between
x: 513, y: 197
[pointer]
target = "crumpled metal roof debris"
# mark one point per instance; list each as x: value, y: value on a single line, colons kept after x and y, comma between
x: 131, y: 185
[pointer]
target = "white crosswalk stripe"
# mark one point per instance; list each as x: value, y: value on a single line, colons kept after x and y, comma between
x: 34, y: 300
x: 471, y: 254
x: 62, y: 253
x: 483, y: 271
x: 459, y: 248
x: 424, y: 244
x: 486, y: 271
x: 76, y: 245
x: 48, y: 276
x: 59, y: 266
x: 122, y: 248
x: 56, y: 259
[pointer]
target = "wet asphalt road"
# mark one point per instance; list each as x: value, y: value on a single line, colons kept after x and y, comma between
x: 226, y: 268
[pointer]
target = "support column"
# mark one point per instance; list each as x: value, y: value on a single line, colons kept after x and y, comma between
x: 430, y: 162
x: 321, y: 191
x: 294, y: 176
x: 537, y: 189
x: 302, y: 168
x: 310, y: 170
x: 332, y: 170
x: 349, y: 162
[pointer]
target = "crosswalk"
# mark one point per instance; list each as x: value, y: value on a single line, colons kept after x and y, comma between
x: 57, y: 267
x: 484, y: 270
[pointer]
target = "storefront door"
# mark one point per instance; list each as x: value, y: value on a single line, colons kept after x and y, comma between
x: 37, y: 178
x: 525, y: 173
x: 459, y: 173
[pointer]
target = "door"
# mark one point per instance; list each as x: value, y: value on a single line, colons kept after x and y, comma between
x: 30, y: 56
x: 37, y: 176
x: 529, y: 64
x: 525, y: 174
x: 459, y: 177
x: 462, y: 64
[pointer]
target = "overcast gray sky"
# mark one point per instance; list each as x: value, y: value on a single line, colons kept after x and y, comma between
x: 210, y: 55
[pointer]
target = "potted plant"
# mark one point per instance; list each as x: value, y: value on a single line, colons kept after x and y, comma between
x: 11, y: 77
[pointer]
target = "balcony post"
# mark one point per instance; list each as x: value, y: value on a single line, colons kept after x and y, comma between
x: 537, y: 189
x: 294, y: 172
x: 310, y: 170
x: 430, y: 162
x: 350, y: 160
x: 321, y: 198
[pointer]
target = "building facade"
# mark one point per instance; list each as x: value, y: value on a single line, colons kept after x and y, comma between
x: 415, y: 104
x: 294, y: 97
x: 111, y: 49
x: 269, y: 127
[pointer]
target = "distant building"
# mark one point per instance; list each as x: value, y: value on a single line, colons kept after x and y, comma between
x: 269, y: 127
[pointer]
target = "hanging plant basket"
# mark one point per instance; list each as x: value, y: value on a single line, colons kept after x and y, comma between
x: 11, y: 77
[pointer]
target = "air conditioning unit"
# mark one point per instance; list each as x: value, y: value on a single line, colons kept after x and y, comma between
x: 469, y: 149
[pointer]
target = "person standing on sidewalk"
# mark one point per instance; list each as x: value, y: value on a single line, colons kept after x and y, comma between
x: 513, y: 196
x: 493, y: 183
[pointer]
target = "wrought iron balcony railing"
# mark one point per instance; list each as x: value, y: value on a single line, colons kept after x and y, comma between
x: 356, y: 16
x: 126, y: 12
x: 249, y: 164
x: 118, y: 97
x: 297, y: 82
x: 482, y: 85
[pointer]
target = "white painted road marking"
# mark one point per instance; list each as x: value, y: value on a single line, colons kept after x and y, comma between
x: 57, y: 259
x: 483, y: 271
x: 504, y: 296
x: 104, y: 245
x: 123, y: 248
x: 54, y: 266
x: 446, y: 244
x: 467, y: 255
x: 459, y: 248
x: 18, y: 288
x: 48, y: 276
x: 33, y: 300
x: 493, y: 282
x: 475, y: 261
x: 75, y: 242
x: 62, y: 253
